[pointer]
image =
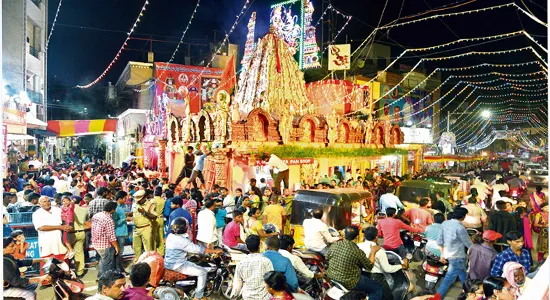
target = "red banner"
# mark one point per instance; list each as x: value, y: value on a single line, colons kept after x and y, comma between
x: 180, y: 82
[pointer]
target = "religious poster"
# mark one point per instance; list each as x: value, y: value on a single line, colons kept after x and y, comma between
x: 339, y: 57
x: 178, y: 83
x: 412, y: 110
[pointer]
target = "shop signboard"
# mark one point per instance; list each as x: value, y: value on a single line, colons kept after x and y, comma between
x: 298, y: 161
x: 412, y: 110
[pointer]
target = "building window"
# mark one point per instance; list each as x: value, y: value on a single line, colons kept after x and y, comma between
x: 33, y: 38
x: 37, y: 2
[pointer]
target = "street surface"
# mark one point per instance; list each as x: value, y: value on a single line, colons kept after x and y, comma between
x: 415, y: 267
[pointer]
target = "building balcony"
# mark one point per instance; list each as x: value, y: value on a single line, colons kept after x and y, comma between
x: 35, y: 97
x: 37, y: 2
x: 34, y: 52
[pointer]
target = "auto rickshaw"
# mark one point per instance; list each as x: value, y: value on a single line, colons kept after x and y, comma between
x: 411, y: 190
x: 335, y: 203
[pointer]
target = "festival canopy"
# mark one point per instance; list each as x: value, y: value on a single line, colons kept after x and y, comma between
x: 63, y: 128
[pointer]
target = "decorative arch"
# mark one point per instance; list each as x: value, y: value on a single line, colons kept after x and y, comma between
x: 344, y: 131
x: 203, y: 127
x: 308, y: 125
x: 261, y: 126
x: 173, y: 129
x: 192, y: 132
x: 378, y: 134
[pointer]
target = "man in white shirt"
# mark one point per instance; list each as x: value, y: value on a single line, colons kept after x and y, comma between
x: 228, y: 203
x: 283, y: 172
x: 206, y: 224
x: 499, y: 186
x: 47, y: 221
x: 482, y: 188
x: 381, y: 264
x: 316, y: 235
x: 390, y: 200
x: 61, y: 185
x: 287, y: 244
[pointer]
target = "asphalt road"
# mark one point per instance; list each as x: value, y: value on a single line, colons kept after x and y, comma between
x: 417, y: 275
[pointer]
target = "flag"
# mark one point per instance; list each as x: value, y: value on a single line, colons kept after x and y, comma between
x: 228, y: 79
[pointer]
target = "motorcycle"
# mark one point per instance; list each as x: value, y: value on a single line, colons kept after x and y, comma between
x: 434, y: 270
x: 230, y: 258
x: 315, y: 262
x: 415, y: 243
x: 175, y: 285
x: 64, y: 281
x: 398, y: 282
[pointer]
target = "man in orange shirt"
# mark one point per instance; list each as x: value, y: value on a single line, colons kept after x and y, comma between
x: 421, y: 216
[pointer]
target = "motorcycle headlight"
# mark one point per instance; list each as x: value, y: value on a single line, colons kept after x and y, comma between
x: 529, y: 177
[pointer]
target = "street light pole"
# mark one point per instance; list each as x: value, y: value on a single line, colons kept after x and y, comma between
x: 448, y: 120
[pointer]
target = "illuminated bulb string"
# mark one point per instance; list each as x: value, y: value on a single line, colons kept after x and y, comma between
x: 182, y: 36
x: 223, y: 42
x: 53, y: 25
x: 129, y: 34
x: 464, y: 13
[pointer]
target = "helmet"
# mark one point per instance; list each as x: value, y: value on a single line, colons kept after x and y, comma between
x: 270, y: 228
x: 179, y: 226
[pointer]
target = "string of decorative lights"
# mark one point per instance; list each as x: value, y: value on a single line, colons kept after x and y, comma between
x: 492, y: 66
x: 465, y: 13
x: 504, y: 75
x: 438, y: 112
x: 176, y: 49
x: 508, y: 81
x: 514, y: 94
x: 115, y: 59
x: 337, y: 34
x: 182, y: 36
x: 445, y: 58
x: 53, y: 26
x: 237, y: 20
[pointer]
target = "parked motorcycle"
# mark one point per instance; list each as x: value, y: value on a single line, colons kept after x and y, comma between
x: 434, y: 270
x: 64, y: 281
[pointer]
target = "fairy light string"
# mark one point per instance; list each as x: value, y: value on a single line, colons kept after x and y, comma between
x: 115, y: 59
x: 53, y: 26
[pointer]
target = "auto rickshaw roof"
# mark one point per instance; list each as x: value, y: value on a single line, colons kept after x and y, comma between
x: 423, y: 183
x: 331, y: 195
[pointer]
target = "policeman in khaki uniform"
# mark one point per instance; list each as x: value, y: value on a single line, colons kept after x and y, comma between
x: 144, y: 216
x: 158, y: 224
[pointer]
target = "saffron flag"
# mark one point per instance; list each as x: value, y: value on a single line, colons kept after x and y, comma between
x: 228, y: 79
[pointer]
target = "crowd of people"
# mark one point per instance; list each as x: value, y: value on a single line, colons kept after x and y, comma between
x: 77, y: 207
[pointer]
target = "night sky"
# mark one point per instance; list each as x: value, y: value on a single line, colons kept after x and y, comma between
x: 88, y: 34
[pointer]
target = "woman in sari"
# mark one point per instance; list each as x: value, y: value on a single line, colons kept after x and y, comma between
x: 537, y: 198
x: 541, y: 224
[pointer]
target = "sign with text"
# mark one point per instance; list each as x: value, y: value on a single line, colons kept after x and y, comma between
x: 34, y: 249
x: 298, y: 161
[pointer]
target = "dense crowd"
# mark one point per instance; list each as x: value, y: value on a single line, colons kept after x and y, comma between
x: 75, y: 207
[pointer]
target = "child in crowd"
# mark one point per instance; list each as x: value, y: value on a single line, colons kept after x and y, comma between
x: 67, y: 216
x: 20, y: 245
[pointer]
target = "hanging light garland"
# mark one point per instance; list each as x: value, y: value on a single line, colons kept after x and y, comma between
x: 115, y: 59
x: 465, y: 13
x: 225, y: 40
x: 53, y: 26
x: 182, y: 36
